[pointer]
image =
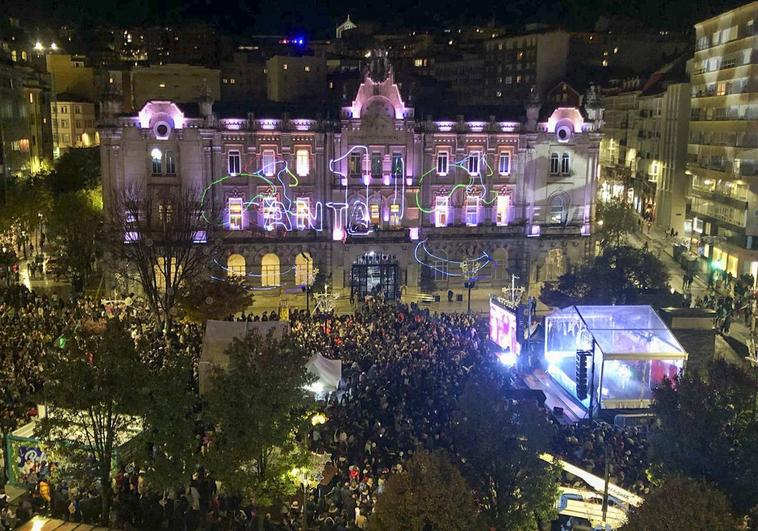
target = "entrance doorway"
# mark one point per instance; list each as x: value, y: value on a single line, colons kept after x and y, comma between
x: 374, y: 274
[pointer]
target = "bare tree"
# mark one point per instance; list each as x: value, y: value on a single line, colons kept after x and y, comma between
x: 160, y: 242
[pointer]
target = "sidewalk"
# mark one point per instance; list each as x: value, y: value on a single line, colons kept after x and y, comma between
x: 662, y: 247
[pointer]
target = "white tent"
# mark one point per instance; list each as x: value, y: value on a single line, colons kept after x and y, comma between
x: 328, y: 372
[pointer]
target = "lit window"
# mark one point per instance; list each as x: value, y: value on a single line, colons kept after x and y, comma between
x: 472, y: 210
x: 302, y: 162
x: 166, y: 213
x: 232, y: 81
x: 31, y: 98
x: 162, y: 85
x: 565, y: 164
x: 503, y: 202
x: 269, y: 162
x: 374, y: 213
x: 554, y: 164
x: 235, y: 213
x: 557, y: 210
x: 504, y: 163
x: 303, y: 212
x: 170, y: 163
x: 225, y: 81
x: 307, y: 68
x: 440, y: 211
x: 156, y: 157
x: 284, y: 66
x: 395, y: 215
x: 442, y: 163
x: 234, y: 162
x: 270, y: 211
x: 473, y: 162
x: 418, y: 62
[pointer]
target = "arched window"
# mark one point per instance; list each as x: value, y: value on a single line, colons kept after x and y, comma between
x: 554, y: 164
x: 565, y: 164
x: 270, y: 270
x: 304, y: 267
x: 557, y: 210
x: 235, y: 266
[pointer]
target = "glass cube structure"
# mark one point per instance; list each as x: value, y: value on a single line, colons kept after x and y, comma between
x: 631, y: 348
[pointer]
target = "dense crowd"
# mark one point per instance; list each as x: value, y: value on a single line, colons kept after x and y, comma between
x: 403, y: 370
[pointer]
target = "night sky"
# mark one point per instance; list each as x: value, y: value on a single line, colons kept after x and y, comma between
x: 319, y: 17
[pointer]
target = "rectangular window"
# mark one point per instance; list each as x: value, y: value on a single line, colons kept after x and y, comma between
x: 397, y: 164
x: 565, y: 164
x: 473, y: 162
x: 156, y: 161
x: 234, y: 162
x: 503, y: 202
x: 303, y: 212
x: 374, y: 213
x: 166, y: 213
x: 440, y: 211
x: 472, y: 210
x: 442, y: 163
x: 354, y: 166
x: 504, y: 163
x: 170, y: 163
x: 234, y: 204
x: 302, y: 162
x: 376, y: 165
x: 269, y: 162
x: 395, y: 215
x: 64, y: 123
x: 269, y: 212
x: 554, y: 163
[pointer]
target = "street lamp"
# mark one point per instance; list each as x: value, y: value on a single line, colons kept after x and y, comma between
x: 470, y: 269
x: 310, y: 279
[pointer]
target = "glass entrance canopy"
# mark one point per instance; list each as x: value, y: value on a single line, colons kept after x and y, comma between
x: 633, y: 352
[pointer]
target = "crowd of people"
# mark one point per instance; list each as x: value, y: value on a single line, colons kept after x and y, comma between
x: 403, y: 370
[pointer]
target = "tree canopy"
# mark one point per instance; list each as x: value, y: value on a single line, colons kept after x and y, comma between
x: 617, y: 276
x: 214, y: 299
x: 616, y: 221
x: 430, y: 495
x: 709, y: 429
x: 97, y: 391
x: 75, y: 170
x: 256, y: 405
x: 75, y: 222
x: 500, y: 442
x: 683, y: 504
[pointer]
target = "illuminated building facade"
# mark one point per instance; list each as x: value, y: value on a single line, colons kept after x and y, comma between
x: 376, y: 189
x: 723, y: 144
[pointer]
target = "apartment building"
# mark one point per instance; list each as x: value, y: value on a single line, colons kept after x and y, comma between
x: 722, y: 154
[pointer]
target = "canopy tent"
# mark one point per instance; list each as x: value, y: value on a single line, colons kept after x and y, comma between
x: 328, y: 372
x: 220, y: 334
x: 632, y: 348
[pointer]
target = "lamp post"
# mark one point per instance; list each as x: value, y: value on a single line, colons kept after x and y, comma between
x: 470, y: 269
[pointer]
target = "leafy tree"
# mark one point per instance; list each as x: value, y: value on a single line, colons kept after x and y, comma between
x: 501, y: 441
x: 170, y: 447
x: 709, y: 429
x: 75, y: 170
x: 23, y: 214
x: 683, y: 504
x: 97, y: 392
x: 616, y: 221
x: 426, y: 280
x: 214, y: 299
x: 616, y: 276
x: 257, y: 404
x: 430, y: 495
x: 75, y: 222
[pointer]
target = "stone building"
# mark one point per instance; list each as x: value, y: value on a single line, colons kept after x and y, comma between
x: 374, y: 197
